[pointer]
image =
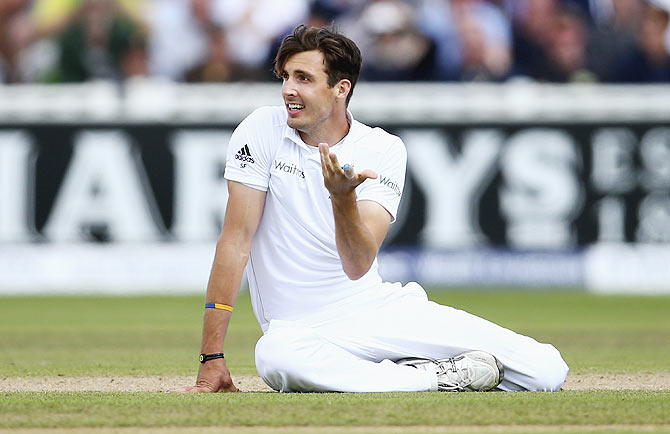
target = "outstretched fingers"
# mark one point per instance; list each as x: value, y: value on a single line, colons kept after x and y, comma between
x: 329, y: 164
x: 340, y: 178
x: 204, y: 388
x: 367, y: 174
x: 213, y: 376
x: 191, y: 389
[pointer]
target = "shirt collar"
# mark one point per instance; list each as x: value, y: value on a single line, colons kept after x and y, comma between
x: 354, y: 132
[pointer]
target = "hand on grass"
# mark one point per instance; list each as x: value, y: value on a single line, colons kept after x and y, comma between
x: 213, y: 376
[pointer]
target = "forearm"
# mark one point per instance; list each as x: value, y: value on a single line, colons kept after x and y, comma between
x: 223, y: 287
x: 356, y: 245
x: 243, y: 214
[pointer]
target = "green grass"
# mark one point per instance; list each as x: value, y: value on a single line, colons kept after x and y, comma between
x: 77, y: 336
x: 106, y: 336
x: 80, y: 336
x: 333, y: 409
x: 595, y: 333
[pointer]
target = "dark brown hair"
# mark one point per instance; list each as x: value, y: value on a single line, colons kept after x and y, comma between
x: 342, y: 56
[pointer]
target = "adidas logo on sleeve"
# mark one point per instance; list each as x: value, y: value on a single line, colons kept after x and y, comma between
x: 244, y: 155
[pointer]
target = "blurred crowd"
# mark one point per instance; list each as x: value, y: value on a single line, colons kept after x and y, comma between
x: 559, y: 41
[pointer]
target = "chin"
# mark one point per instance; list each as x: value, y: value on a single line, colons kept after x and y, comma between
x: 294, y: 123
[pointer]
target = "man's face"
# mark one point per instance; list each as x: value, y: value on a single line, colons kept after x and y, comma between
x: 307, y: 97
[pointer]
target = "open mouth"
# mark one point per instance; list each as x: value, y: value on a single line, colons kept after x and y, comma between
x: 294, y: 107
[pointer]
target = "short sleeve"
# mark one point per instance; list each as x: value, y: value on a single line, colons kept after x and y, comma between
x: 387, y: 188
x: 249, y: 149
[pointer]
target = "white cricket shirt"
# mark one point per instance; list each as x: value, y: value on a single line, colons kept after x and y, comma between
x: 294, y: 269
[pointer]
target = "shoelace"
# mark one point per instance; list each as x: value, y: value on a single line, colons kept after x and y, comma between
x: 462, y: 375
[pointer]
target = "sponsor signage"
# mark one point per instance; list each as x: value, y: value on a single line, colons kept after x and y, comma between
x: 485, y: 203
x: 520, y: 186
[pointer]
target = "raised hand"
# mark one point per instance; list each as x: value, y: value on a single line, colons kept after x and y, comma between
x: 338, y: 179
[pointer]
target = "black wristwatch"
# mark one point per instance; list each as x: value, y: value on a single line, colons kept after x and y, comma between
x: 207, y: 357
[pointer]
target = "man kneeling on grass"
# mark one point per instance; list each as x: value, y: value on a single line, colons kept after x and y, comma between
x: 307, y: 224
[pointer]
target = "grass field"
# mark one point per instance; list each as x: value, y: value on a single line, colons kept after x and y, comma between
x: 159, y: 336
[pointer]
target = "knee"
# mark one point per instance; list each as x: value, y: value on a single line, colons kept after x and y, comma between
x: 271, y: 351
x: 551, y: 371
x: 278, y: 356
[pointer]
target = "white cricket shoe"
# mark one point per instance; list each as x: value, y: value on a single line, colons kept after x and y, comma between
x: 474, y: 371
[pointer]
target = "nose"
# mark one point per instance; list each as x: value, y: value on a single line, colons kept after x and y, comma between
x: 288, y: 88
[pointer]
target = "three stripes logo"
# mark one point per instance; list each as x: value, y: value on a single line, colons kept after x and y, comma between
x: 244, y: 155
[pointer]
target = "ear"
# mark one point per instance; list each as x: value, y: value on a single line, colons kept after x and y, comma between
x: 342, y: 89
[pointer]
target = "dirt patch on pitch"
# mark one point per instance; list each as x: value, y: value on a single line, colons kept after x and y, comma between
x: 248, y: 383
x: 252, y: 383
x: 638, y: 381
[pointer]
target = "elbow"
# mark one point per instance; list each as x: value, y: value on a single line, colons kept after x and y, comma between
x: 355, y: 273
x: 236, y: 247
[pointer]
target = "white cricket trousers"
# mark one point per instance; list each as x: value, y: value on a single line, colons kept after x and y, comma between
x: 354, y: 351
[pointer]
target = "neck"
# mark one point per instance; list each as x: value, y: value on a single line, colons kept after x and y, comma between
x: 331, y: 132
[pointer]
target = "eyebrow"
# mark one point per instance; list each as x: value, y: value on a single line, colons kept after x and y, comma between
x: 303, y: 72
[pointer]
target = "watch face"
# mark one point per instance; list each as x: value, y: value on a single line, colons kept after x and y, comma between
x: 202, y: 358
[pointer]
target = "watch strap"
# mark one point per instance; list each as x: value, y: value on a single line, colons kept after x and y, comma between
x: 207, y: 357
